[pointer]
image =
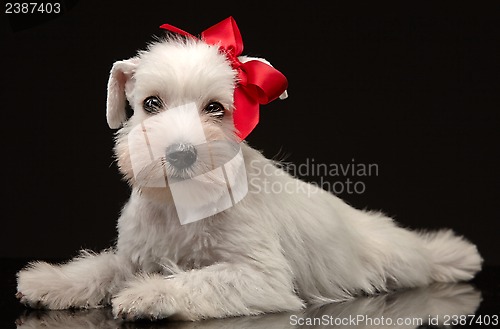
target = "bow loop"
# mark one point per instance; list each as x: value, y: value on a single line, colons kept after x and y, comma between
x: 268, y: 82
x: 258, y: 82
x: 227, y: 34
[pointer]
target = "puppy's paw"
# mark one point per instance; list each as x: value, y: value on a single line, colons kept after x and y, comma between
x: 33, y: 301
x: 146, y: 298
x: 42, y: 285
x: 34, y: 285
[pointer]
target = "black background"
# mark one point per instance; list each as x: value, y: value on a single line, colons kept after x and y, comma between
x: 413, y: 89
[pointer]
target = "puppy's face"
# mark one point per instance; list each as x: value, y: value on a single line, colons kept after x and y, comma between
x: 181, y: 93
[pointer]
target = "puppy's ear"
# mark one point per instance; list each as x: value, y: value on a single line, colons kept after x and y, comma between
x: 244, y: 59
x: 120, y: 83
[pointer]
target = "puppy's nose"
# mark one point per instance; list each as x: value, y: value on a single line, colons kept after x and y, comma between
x: 181, y: 155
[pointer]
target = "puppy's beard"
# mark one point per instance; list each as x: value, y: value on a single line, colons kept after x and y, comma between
x: 213, y: 182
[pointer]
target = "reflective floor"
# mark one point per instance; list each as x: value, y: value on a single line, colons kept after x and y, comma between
x: 472, y: 305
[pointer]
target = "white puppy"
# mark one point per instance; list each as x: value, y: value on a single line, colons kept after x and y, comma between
x: 202, y: 236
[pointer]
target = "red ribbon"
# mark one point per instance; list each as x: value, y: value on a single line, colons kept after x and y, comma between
x: 258, y: 82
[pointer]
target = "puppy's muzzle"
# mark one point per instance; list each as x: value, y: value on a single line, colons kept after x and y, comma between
x: 181, y: 155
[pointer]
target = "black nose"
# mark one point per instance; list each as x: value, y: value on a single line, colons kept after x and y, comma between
x: 180, y: 155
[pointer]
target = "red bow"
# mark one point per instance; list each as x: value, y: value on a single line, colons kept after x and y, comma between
x: 258, y: 82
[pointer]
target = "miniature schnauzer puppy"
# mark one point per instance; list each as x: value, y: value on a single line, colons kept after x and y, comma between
x: 201, y: 236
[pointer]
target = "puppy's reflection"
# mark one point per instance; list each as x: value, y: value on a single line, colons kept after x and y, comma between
x: 402, y: 309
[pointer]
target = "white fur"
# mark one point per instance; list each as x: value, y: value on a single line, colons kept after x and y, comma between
x: 416, y: 306
x: 271, y: 252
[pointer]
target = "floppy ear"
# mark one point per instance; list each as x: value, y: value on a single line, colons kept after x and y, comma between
x: 121, y: 80
x: 245, y: 59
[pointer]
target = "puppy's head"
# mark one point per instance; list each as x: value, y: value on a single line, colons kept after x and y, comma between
x: 181, y: 92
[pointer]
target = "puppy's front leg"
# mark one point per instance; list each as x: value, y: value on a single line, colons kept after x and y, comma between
x: 87, y: 281
x: 216, y: 291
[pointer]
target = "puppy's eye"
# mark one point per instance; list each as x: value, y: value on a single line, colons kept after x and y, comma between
x: 152, y: 104
x: 215, y: 109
